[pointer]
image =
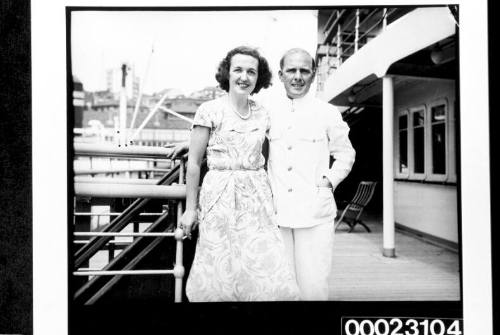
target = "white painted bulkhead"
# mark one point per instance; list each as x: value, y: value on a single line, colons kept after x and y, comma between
x: 426, y: 202
x: 428, y: 208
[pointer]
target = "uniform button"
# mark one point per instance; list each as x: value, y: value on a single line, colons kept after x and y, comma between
x: 289, y: 127
x: 290, y: 190
x: 289, y: 147
x: 289, y: 168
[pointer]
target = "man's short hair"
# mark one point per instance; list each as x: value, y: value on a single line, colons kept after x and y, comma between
x: 297, y: 50
x: 264, y: 74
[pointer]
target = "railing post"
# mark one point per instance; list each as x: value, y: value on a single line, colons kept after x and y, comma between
x: 384, y: 16
x: 127, y: 173
x: 135, y: 228
x: 111, y: 251
x: 356, y: 38
x: 179, y: 234
x: 339, y: 46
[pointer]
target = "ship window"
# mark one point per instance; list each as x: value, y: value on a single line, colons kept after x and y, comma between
x: 438, y: 131
x: 403, y: 144
x: 418, y: 141
x: 422, y: 143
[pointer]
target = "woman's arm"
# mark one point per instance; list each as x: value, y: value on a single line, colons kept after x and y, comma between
x: 197, y: 147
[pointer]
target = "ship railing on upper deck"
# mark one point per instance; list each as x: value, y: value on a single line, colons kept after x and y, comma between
x: 348, y: 30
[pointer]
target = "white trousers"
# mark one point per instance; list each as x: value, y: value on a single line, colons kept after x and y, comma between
x: 310, y: 252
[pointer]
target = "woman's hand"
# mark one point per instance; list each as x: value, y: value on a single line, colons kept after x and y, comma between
x: 178, y: 149
x: 189, y: 222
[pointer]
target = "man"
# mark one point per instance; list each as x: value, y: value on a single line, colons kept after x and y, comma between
x: 304, y: 133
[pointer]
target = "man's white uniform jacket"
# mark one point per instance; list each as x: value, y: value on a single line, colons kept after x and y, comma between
x: 304, y: 133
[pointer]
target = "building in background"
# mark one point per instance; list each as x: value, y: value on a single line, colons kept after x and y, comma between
x: 100, y: 114
x: 114, y: 81
x: 78, y: 102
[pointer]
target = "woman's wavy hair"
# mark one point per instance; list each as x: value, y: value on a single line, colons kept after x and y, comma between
x: 264, y: 73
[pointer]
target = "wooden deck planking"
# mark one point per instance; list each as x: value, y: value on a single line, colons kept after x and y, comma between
x: 420, y: 272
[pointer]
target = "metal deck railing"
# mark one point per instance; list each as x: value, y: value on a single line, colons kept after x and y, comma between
x: 144, y: 190
x: 348, y: 30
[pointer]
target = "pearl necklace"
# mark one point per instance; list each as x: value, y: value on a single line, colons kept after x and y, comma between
x: 246, y: 117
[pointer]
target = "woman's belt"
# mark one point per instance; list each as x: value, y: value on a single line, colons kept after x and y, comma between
x: 234, y: 167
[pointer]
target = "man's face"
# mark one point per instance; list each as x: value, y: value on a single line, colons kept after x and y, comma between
x: 297, y: 74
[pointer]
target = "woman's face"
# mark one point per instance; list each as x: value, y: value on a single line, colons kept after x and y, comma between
x: 243, y: 73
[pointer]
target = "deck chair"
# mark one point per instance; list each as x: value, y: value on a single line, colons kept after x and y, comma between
x: 352, y: 212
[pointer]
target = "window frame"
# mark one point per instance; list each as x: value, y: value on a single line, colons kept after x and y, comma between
x: 411, y: 143
x: 450, y: 142
x: 402, y: 175
x: 429, y: 164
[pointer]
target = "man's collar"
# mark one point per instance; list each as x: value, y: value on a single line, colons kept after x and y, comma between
x: 297, y: 100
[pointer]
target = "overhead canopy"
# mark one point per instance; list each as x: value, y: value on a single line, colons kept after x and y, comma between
x: 409, y: 34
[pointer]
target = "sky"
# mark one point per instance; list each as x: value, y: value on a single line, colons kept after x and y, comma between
x: 182, y: 48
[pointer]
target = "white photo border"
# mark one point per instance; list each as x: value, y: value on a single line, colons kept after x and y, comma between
x: 50, y: 273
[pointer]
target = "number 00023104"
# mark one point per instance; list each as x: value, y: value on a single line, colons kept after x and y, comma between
x: 400, y: 326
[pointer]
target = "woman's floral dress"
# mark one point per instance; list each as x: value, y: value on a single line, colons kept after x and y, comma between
x: 240, y: 254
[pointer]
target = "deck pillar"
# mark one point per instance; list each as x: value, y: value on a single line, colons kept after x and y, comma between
x: 388, y: 166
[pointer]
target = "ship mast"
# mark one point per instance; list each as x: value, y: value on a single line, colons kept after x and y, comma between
x: 123, y: 108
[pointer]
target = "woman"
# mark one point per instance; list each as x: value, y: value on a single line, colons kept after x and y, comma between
x: 240, y: 253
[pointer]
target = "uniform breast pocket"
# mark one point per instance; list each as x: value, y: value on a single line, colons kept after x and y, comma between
x: 310, y: 144
x: 312, y: 137
x: 324, y: 204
